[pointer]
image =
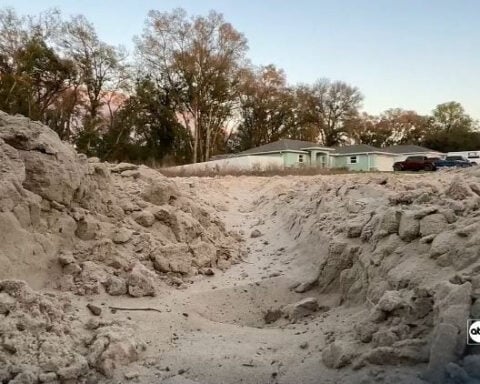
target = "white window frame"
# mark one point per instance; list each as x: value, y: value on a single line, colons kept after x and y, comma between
x: 301, y: 158
x: 351, y: 161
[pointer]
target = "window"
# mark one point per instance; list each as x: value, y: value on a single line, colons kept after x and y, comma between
x: 473, y: 155
x: 353, y: 160
x: 300, y: 158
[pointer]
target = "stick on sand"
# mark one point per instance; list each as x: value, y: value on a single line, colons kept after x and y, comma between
x: 135, y: 309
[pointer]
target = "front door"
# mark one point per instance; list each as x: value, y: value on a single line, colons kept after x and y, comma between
x: 321, y: 160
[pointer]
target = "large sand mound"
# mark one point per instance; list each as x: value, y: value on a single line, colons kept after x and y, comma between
x: 87, y: 227
x: 108, y: 226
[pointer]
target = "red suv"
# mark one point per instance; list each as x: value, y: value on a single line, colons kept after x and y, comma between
x: 416, y: 163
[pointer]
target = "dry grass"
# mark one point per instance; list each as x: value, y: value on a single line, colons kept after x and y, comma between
x: 270, y: 171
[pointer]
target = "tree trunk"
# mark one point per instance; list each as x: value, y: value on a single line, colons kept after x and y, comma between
x: 209, y: 133
x: 207, y: 144
x: 195, y: 137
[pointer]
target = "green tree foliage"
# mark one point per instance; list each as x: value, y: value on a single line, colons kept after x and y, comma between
x: 145, y: 129
x: 33, y: 76
x: 447, y: 129
x: 365, y: 129
x: 392, y: 127
x: 305, y: 125
x: 450, y: 117
x: 332, y: 108
x: 37, y: 79
x: 452, y: 129
x: 266, y: 107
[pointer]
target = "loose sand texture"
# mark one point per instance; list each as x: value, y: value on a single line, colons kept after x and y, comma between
x: 113, y: 273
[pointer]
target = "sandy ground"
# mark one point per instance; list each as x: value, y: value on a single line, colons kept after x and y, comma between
x: 213, y: 331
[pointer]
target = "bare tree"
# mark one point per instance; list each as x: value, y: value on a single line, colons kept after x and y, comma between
x: 334, y: 105
x: 99, y: 66
x: 200, y: 58
x: 16, y: 31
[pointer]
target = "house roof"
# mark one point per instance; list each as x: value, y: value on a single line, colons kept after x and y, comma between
x: 358, y: 148
x: 281, y: 145
x: 300, y: 146
x: 404, y: 149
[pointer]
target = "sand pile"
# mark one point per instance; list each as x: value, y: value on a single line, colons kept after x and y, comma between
x: 407, y: 251
x: 43, y: 340
x: 82, y: 226
x: 93, y: 225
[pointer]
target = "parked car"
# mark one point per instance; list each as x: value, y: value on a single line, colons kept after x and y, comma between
x: 416, y: 163
x: 472, y: 156
x: 453, y: 161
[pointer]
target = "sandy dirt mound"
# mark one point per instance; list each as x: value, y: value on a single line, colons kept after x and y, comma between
x: 406, y: 249
x: 43, y: 340
x: 94, y: 226
x: 85, y: 227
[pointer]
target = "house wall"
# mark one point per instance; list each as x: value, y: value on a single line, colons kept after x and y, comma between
x: 260, y: 162
x: 383, y: 163
x: 377, y: 162
x: 341, y: 161
x: 277, y: 157
x: 290, y: 159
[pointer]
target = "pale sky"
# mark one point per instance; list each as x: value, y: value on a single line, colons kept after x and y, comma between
x: 412, y: 54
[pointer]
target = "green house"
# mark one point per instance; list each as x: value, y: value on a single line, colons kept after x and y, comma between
x: 362, y: 157
x: 295, y: 153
